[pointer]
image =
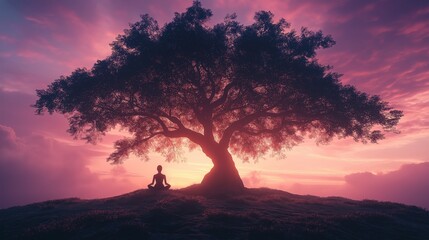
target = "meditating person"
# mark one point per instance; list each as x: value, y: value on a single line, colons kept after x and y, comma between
x: 159, y: 180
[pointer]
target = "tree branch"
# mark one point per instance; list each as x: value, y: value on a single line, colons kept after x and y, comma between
x: 261, y: 131
x: 200, y: 87
x: 224, y: 96
x: 173, y: 119
x: 239, y: 124
x: 227, y: 134
x: 212, y: 83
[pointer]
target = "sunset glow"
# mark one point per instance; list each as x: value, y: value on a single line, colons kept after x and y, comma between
x: 382, y: 48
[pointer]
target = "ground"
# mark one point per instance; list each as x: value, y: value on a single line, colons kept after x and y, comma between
x: 184, y: 214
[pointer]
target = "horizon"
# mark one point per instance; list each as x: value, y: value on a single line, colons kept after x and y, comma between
x: 380, y: 49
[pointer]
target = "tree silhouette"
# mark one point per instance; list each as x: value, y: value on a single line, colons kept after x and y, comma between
x: 227, y: 87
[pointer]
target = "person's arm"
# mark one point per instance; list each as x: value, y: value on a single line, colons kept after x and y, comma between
x: 153, y: 180
x: 165, y: 180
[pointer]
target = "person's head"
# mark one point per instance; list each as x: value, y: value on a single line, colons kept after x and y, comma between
x: 159, y: 168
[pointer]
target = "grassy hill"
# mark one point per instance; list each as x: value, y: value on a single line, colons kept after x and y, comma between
x: 183, y: 214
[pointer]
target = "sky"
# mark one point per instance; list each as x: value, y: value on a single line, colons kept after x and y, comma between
x: 382, y: 49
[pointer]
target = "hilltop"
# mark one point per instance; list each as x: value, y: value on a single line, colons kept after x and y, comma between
x: 183, y: 214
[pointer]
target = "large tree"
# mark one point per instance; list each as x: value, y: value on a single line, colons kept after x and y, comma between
x: 224, y: 87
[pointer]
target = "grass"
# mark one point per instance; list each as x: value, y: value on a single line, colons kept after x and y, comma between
x: 180, y: 214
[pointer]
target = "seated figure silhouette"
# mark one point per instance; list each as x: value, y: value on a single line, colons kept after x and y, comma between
x: 159, y: 180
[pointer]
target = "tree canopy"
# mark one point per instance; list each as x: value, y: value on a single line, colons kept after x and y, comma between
x: 244, y: 89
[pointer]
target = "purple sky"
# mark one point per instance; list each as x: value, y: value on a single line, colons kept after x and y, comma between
x: 382, y: 48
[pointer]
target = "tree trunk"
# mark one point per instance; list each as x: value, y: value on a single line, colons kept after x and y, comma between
x: 223, y: 177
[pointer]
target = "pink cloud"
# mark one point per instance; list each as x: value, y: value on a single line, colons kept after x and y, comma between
x: 40, y: 21
x: 6, y: 39
x: 252, y: 179
x: 37, y: 168
x: 18, y: 114
x: 408, y: 185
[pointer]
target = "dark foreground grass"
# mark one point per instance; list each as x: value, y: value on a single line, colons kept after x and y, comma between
x: 182, y: 214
